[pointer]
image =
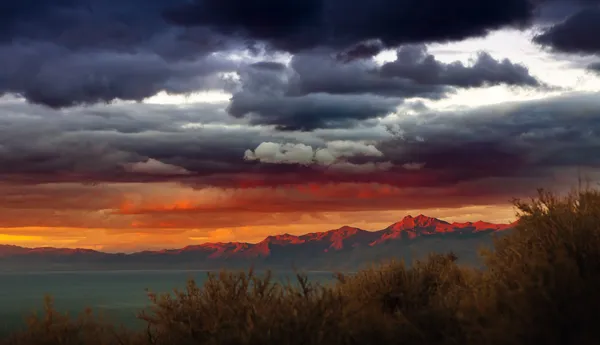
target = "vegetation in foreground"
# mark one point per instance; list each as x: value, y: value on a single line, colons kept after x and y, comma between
x: 540, y: 285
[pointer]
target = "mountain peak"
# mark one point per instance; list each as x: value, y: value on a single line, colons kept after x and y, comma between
x: 420, y: 221
x: 283, y: 239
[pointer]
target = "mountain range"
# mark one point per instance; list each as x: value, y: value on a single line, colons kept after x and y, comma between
x: 343, y: 248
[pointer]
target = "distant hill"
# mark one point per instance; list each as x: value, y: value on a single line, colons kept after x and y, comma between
x: 344, y: 248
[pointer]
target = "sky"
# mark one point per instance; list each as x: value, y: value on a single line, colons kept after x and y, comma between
x: 129, y: 125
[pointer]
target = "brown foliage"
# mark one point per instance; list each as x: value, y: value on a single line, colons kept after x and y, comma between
x: 541, y: 285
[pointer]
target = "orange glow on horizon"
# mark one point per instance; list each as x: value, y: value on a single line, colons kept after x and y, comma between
x: 141, y: 235
x: 138, y: 216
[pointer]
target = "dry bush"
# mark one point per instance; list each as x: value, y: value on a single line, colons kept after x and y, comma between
x: 240, y: 308
x: 419, y: 301
x: 55, y: 328
x: 542, y: 284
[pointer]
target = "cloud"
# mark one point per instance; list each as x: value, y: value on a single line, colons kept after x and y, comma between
x: 478, y: 156
x: 333, y: 156
x: 594, y: 67
x: 414, y: 73
x: 303, y: 24
x: 317, y: 90
x: 310, y: 111
x: 269, y: 152
x: 413, y: 166
x: 92, y: 145
x: 263, y: 97
x: 57, y: 77
x: 532, y: 137
x: 325, y: 129
x: 556, y: 11
x: 65, y: 53
x: 340, y: 148
x: 322, y: 73
x: 414, y: 63
x: 69, y: 53
x: 155, y: 167
x: 574, y: 35
x: 117, y: 26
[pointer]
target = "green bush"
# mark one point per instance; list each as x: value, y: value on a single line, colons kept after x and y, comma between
x: 540, y: 285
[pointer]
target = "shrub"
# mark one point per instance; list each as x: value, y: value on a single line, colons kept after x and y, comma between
x: 53, y: 328
x: 543, y: 279
x: 239, y: 308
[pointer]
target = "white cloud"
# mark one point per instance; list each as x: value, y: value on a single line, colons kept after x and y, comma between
x: 155, y: 167
x: 269, y: 152
x: 346, y: 148
x: 334, y: 155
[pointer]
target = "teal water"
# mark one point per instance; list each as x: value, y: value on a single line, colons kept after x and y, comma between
x: 119, y: 295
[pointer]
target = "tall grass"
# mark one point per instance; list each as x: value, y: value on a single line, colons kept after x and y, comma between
x: 540, y: 285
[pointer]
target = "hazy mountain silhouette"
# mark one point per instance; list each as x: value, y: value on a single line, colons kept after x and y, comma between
x: 346, y: 247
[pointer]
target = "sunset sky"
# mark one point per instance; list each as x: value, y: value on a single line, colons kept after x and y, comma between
x: 145, y: 124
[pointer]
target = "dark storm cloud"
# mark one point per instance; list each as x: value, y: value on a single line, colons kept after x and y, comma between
x: 362, y: 50
x: 302, y: 24
x: 310, y: 111
x: 594, y: 67
x: 576, y: 35
x: 78, y: 24
x: 56, y: 77
x: 310, y: 73
x: 70, y: 52
x: 263, y: 97
x: 414, y: 73
x: 317, y: 90
x: 414, y: 63
x: 520, y: 138
x: 539, y: 140
x: 128, y: 26
x: 525, y: 139
x: 555, y: 11
x: 93, y: 144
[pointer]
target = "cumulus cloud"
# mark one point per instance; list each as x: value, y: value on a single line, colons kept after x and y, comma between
x: 322, y: 73
x: 575, y: 34
x: 415, y: 63
x: 317, y: 90
x: 288, y: 153
x: 414, y: 73
x: 155, y: 167
x: 334, y: 155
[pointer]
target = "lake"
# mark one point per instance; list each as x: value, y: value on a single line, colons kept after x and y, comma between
x: 117, y: 294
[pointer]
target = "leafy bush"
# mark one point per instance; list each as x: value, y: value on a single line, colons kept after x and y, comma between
x: 540, y: 285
